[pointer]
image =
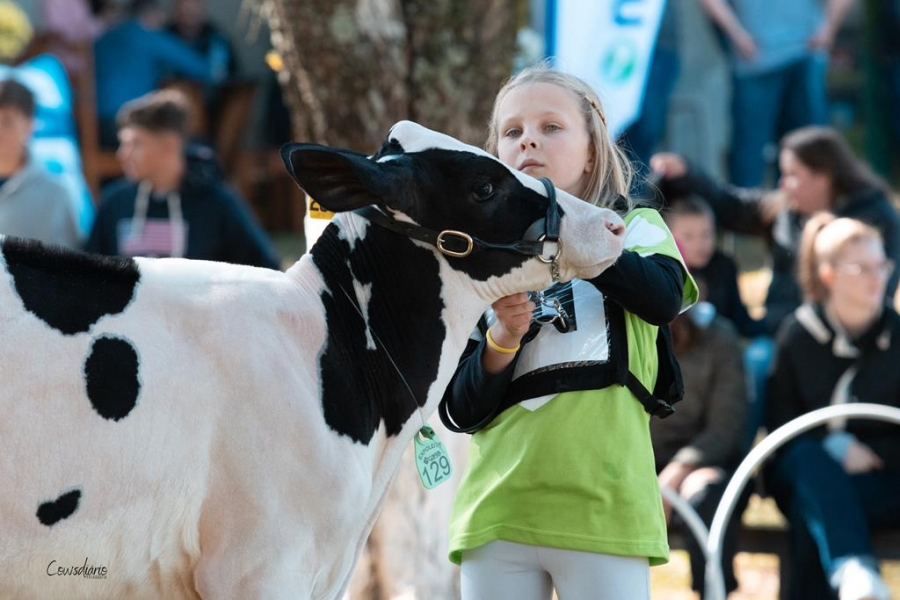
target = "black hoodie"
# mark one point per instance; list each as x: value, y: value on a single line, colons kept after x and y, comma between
x: 219, y: 225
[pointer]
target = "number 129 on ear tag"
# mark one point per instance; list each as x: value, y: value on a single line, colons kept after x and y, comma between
x: 432, y: 459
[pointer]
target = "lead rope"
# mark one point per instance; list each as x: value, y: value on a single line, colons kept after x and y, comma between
x: 388, y: 354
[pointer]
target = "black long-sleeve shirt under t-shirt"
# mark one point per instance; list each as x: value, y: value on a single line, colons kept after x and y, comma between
x: 650, y: 287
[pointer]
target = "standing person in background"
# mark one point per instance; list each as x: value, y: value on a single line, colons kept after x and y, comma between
x: 132, y: 58
x: 561, y: 489
x: 190, y: 24
x: 33, y: 203
x: 75, y: 22
x: 173, y: 202
x: 698, y: 448
x: 836, y: 483
x: 643, y: 136
x: 779, y: 59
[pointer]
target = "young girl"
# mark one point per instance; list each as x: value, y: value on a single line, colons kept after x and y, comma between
x: 835, y: 483
x: 561, y: 489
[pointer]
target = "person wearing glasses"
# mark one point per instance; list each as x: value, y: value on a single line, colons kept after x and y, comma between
x: 838, y: 482
x: 819, y: 172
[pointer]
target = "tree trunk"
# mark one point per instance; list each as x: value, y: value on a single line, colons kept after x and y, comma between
x: 352, y: 68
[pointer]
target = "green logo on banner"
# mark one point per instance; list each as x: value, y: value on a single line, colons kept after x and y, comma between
x: 618, y: 61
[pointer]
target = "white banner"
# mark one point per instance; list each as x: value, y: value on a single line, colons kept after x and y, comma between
x: 608, y: 43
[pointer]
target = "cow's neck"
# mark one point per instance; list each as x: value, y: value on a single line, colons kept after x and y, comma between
x: 388, y: 339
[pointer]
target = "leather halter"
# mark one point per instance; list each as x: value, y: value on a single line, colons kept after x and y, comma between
x: 459, y: 244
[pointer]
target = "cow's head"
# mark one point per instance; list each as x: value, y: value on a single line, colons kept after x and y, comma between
x: 465, y: 202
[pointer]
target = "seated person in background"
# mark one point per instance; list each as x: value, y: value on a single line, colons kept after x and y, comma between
x: 693, y: 225
x: 698, y: 447
x: 837, y: 482
x: 173, y: 202
x: 818, y: 173
x: 189, y: 23
x: 132, y: 58
x: 33, y: 203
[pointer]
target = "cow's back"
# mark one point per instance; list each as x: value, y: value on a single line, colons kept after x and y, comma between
x: 113, y: 425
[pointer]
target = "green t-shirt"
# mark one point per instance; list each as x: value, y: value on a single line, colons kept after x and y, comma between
x: 578, y: 472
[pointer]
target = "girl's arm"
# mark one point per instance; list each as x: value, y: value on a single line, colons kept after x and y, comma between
x: 474, y: 394
x: 650, y: 287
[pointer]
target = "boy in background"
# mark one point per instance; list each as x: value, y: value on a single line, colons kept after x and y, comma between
x: 173, y: 202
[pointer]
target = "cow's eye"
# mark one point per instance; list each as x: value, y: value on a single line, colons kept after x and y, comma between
x: 484, y: 191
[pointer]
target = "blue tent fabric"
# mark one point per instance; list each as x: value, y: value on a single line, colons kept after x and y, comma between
x: 55, y: 140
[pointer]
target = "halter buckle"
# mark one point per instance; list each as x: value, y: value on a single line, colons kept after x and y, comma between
x: 470, y: 244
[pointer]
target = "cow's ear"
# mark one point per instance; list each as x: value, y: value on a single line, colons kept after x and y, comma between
x: 341, y: 180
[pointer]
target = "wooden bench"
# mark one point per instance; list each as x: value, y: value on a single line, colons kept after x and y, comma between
x: 772, y: 538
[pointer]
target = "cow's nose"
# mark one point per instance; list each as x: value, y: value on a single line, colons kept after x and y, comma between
x: 616, y: 227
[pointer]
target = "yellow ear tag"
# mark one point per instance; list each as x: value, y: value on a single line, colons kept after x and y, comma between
x: 432, y: 459
x: 315, y: 210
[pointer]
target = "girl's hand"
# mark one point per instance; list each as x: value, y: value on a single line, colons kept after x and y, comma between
x: 861, y: 459
x: 668, y: 164
x: 513, y: 319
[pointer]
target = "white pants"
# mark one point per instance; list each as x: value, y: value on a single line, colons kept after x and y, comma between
x: 503, y: 570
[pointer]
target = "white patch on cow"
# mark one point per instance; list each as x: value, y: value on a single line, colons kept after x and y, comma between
x: 415, y: 138
x: 641, y: 233
x: 352, y: 231
x: 364, y: 295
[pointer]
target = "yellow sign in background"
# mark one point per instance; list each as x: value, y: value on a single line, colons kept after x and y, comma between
x: 315, y: 210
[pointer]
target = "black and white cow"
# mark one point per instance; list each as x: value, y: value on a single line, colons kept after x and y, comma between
x: 183, y: 429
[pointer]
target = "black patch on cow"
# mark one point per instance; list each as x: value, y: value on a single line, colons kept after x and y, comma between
x: 444, y: 195
x: 362, y: 387
x: 69, y: 291
x: 51, y: 513
x: 111, y: 377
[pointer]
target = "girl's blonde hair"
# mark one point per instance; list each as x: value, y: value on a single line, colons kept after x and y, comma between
x: 824, y: 238
x: 612, y: 173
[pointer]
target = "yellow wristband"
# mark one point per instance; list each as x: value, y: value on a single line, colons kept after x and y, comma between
x: 497, y: 347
